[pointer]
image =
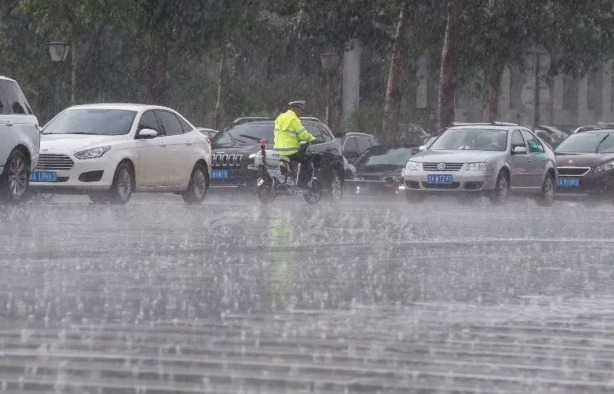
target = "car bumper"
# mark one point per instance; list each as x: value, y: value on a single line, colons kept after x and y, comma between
x: 354, y: 188
x: 241, y: 180
x: 85, y: 175
x: 462, y: 182
x: 590, y: 186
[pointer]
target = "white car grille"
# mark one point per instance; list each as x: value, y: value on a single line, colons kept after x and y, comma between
x: 54, y: 162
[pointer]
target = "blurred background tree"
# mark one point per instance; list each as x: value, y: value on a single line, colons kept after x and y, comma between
x: 215, y: 60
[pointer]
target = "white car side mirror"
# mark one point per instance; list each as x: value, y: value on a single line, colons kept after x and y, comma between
x: 147, y: 134
x: 519, y: 150
x: 422, y: 148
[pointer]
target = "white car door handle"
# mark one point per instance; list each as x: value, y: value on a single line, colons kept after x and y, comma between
x: 9, y: 124
x: 188, y: 143
x: 163, y: 144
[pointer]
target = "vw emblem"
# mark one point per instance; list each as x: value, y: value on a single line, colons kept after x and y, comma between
x: 441, y: 166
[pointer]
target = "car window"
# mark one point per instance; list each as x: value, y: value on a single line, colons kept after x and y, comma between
x: 149, y: 121
x: 534, y: 145
x: 517, y: 139
x: 15, y: 99
x: 314, y: 130
x: 92, y: 121
x: 466, y: 138
x: 170, y: 123
x: 326, y: 134
x: 184, y: 125
x: 350, y: 145
x: 363, y: 144
x: 4, y: 107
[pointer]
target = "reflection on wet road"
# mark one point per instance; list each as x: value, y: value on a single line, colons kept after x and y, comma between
x: 225, y: 298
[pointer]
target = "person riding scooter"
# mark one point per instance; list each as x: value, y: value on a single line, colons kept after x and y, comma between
x: 289, y: 132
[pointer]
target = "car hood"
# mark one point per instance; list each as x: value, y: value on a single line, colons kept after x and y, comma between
x: 583, y: 159
x: 455, y: 156
x: 75, y: 142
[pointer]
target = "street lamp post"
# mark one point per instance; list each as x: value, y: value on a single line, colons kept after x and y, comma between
x: 330, y: 63
x: 59, y: 53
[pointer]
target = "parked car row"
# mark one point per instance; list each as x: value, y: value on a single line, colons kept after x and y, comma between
x: 107, y: 151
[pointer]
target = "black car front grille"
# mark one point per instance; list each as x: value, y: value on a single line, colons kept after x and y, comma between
x: 224, y: 160
x: 54, y: 162
x: 446, y: 166
x: 573, y: 171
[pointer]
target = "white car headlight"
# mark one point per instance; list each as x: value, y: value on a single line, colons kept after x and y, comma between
x: 93, y: 153
x: 477, y: 167
x: 605, y: 167
x: 413, y: 166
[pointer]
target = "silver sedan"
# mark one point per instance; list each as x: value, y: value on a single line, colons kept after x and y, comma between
x: 488, y: 159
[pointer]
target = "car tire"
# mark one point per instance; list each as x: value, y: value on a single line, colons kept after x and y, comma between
x: 123, y: 185
x: 546, y: 196
x: 199, y: 184
x: 15, y: 181
x: 414, y: 197
x: 501, y: 194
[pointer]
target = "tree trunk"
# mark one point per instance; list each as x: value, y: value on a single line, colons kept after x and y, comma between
x: 218, y: 119
x: 73, y: 71
x: 156, y: 72
x: 335, y: 105
x: 493, y: 87
x: 396, y: 75
x: 447, y: 83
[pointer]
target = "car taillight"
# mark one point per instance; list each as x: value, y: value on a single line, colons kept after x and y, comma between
x: 208, y: 140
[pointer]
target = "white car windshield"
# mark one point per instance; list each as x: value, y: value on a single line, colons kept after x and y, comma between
x: 92, y: 122
x: 494, y: 140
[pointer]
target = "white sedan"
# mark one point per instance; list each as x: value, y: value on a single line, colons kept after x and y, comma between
x: 110, y: 151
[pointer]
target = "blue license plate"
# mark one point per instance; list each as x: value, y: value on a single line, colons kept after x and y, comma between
x: 219, y: 174
x: 569, y: 182
x: 44, y: 176
x: 445, y: 179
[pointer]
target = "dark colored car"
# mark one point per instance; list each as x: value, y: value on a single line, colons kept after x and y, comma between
x: 552, y: 135
x: 354, y: 144
x: 378, y: 171
x: 234, y: 149
x: 585, y: 163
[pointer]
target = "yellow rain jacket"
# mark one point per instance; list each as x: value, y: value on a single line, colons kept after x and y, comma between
x: 289, y: 132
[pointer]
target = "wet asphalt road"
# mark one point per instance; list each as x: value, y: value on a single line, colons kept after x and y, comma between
x: 231, y: 297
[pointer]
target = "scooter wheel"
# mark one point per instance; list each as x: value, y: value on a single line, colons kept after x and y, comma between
x: 266, y: 191
x: 313, y: 195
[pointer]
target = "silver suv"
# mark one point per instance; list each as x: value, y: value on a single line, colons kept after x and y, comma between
x: 19, y: 142
x: 488, y: 159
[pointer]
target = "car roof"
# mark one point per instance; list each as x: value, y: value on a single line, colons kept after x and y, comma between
x: 120, y: 106
x: 6, y: 79
x: 356, y: 134
x: 263, y: 119
x: 484, y: 126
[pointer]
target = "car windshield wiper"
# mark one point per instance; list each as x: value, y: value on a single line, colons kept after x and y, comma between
x: 602, y: 141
